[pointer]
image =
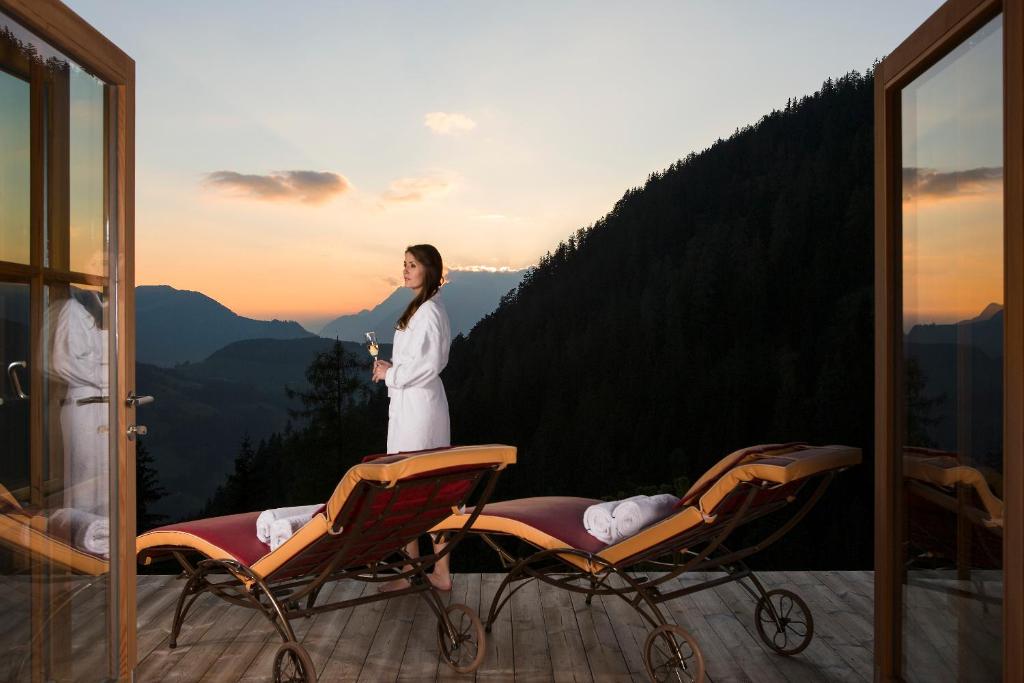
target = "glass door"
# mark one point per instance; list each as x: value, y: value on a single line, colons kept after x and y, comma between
x: 952, y: 310
x: 59, y: 447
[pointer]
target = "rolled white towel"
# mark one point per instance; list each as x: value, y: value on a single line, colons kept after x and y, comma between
x: 633, y: 514
x: 282, y: 529
x: 267, y: 518
x: 82, y: 530
x: 598, y: 521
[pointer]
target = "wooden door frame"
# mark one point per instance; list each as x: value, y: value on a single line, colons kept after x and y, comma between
x: 56, y: 24
x: 936, y: 37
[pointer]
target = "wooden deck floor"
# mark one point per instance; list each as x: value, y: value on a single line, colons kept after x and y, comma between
x: 545, y: 635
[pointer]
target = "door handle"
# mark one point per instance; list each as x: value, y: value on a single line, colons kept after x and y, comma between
x: 12, y: 371
x: 133, y: 401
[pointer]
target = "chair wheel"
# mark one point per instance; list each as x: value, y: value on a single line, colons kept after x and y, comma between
x: 464, y: 645
x: 292, y: 664
x: 787, y: 627
x: 672, y: 654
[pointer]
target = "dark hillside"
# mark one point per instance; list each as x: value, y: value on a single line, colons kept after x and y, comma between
x: 727, y: 302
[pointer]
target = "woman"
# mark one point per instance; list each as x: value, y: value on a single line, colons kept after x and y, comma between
x: 418, y: 413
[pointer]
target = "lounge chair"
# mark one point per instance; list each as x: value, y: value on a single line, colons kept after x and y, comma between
x: 744, y: 486
x: 360, y: 533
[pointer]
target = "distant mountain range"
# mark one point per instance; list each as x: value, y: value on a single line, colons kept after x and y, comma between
x: 203, y: 410
x: 961, y: 364
x: 468, y: 296
x: 985, y: 332
x: 218, y: 376
x: 175, y: 325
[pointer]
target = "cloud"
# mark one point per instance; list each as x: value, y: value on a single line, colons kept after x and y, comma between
x: 393, y: 281
x: 445, y: 123
x: 929, y: 184
x: 416, y: 189
x: 309, y: 187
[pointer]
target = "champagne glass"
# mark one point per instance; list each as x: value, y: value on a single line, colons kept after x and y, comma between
x: 371, y: 345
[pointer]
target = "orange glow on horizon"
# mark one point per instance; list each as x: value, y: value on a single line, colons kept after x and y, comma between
x: 952, y: 258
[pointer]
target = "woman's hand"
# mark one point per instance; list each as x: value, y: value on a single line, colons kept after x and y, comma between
x: 380, y: 367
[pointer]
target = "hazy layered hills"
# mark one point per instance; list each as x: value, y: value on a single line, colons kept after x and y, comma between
x: 468, y: 296
x: 203, y: 410
x: 174, y: 326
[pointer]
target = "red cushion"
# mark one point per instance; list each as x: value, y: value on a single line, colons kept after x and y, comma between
x: 235, y: 534
x: 557, y: 516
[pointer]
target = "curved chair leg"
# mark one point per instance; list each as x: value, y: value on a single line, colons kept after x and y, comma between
x: 497, y: 603
x: 182, y: 609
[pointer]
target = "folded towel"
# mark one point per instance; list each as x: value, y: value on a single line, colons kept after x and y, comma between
x: 82, y: 530
x: 282, y: 529
x: 633, y: 514
x: 267, y: 518
x: 599, y: 520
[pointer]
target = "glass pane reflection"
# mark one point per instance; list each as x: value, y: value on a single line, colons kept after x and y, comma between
x: 88, y: 246
x: 952, y: 199
x: 14, y: 168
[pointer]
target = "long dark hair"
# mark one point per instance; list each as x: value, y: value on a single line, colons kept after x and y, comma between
x: 429, y: 259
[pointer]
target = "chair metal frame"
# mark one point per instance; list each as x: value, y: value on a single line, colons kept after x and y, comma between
x: 697, y: 550
x: 280, y: 600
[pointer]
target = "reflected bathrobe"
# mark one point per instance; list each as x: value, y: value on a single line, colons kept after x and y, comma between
x: 80, y: 359
x: 418, y: 413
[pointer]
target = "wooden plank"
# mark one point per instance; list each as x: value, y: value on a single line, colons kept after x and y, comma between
x: 602, y: 648
x: 322, y: 637
x: 241, y: 650
x: 687, y: 612
x: 162, y: 660
x: 728, y: 623
x: 529, y: 640
x: 253, y: 639
x: 420, y: 661
x: 190, y: 662
x: 569, y: 662
x: 155, y: 615
x: 820, y: 661
x: 384, y: 655
x: 349, y: 655
x: 631, y: 630
x: 580, y: 642
x: 263, y: 663
x: 499, y: 662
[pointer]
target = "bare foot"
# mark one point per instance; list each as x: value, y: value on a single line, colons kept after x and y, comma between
x: 391, y: 586
x: 443, y: 584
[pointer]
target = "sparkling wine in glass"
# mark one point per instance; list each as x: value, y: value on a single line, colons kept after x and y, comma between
x: 371, y: 344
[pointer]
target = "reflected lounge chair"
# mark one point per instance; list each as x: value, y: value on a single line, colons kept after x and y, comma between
x: 941, y: 490
x: 376, y: 509
x: 26, y: 533
x: 746, y: 485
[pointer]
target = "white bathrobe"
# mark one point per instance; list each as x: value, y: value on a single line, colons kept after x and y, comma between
x: 418, y: 414
x: 80, y: 359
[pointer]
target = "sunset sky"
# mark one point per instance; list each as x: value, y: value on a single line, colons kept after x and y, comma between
x: 953, y: 183
x: 285, y: 158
